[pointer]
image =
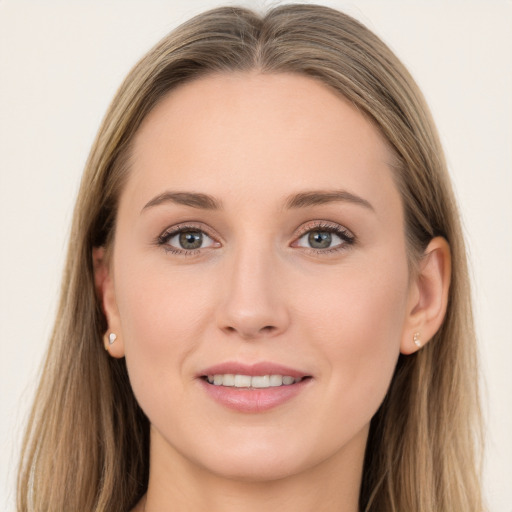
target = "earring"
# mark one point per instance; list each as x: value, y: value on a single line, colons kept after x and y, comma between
x: 416, y: 339
x: 109, y: 340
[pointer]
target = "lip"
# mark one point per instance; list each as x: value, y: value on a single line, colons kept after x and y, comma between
x: 253, y: 400
x: 261, y: 368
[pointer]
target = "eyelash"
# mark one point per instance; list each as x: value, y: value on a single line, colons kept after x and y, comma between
x: 347, y: 237
x: 169, y: 233
x: 344, y: 234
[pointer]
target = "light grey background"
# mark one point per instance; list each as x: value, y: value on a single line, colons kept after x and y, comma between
x: 60, y: 64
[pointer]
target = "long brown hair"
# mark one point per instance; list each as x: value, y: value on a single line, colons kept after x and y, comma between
x: 86, y: 446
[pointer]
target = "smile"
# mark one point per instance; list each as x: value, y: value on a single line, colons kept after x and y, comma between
x: 254, y: 381
x: 253, y: 388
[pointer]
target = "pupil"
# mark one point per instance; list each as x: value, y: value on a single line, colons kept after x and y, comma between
x: 191, y: 239
x: 320, y: 239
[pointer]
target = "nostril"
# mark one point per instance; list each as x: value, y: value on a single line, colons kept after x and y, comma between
x: 246, y: 332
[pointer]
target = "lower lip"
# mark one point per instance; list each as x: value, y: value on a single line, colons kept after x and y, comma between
x: 253, y: 400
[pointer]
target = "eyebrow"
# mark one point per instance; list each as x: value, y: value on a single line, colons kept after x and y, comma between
x: 192, y: 199
x: 300, y: 200
x: 318, y: 197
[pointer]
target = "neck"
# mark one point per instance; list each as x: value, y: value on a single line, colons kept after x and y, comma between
x: 176, y: 483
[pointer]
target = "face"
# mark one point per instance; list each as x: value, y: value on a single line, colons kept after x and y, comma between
x: 259, y: 242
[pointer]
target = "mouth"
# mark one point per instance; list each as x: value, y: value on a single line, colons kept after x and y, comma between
x: 252, y: 381
x: 253, y: 388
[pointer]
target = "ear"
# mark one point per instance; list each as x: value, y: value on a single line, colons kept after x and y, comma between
x: 428, y: 296
x: 105, y: 290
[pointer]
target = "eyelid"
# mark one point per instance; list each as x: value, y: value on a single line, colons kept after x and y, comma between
x: 346, y: 236
x: 171, y: 231
x: 319, y: 225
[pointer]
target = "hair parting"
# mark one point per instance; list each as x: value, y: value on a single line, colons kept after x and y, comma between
x: 87, y: 442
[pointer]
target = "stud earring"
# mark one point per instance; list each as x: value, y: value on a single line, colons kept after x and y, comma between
x: 110, y: 339
x: 416, y: 339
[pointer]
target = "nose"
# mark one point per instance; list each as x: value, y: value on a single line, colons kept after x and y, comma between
x: 253, y: 303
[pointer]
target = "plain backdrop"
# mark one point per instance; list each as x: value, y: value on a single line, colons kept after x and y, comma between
x: 60, y: 64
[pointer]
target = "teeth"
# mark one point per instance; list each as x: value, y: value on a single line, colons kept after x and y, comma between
x: 261, y: 382
x: 276, y: 380
x: 228, y: 380
x: 257, y: 381
x: 241, y: 381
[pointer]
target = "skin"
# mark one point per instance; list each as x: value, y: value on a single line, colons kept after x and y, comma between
x: 256, y: 291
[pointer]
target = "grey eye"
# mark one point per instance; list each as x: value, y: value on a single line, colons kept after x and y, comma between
x: 189, y: 240
x: 319, y: 240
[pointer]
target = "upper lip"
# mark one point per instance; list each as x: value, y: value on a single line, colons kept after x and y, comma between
x: 261, y: 368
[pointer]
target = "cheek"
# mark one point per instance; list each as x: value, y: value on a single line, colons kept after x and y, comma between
x: 162, y: 315
x: 357, y: 320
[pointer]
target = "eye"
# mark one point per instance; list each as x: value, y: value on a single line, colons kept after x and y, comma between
x: 319, y: 240
x: 183, y: 239
x: 325, y: 238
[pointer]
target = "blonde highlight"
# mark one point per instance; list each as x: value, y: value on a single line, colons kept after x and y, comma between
x: 86, y: 429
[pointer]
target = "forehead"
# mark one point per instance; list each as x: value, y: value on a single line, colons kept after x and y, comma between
x: 233, y: 132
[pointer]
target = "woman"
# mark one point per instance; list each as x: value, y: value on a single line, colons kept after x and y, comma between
x: 267, y: 246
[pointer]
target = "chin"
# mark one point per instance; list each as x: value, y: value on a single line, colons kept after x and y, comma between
x: 257, y: 469
x: 258, y: 458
